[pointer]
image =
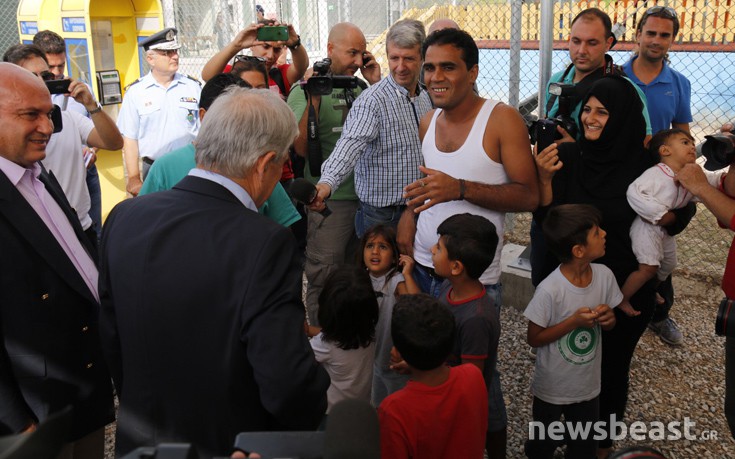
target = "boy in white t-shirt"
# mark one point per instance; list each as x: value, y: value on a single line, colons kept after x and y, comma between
x: 565, y: 316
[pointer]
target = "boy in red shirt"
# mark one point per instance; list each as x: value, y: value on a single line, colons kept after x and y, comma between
x: 442, y: 411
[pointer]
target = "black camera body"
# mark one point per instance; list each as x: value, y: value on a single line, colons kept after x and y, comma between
x: 543, y: 129
x: 322, y: 82
x: 58, y: 86
x: 565, y: 93
x: 719, y: 150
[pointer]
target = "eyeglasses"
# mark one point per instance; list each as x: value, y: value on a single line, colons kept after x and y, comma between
x: 167, y: 52
x: 47, y: 76
x: 666, y: 11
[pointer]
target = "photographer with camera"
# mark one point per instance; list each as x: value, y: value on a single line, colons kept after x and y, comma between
x: 54, y: 46
x: 380, y: 143
x: 330, y: 241
x: 280, y: 76
x: 721, y: 202
x: 590, y: 39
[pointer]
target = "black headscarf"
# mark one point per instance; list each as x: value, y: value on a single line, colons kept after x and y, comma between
x: 611, y: 163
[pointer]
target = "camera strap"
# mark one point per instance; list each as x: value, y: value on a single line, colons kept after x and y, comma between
x: 585, y: 83
x: 275, y: 74
x: 313, y: 145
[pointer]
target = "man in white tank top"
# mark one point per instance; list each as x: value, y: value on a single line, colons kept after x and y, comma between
x: 477, y: 158
x: 476, y: 152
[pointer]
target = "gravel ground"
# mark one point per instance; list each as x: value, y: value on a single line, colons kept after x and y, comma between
x: 667, y: 383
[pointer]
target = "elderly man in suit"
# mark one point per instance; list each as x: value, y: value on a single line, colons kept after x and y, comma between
x: 49, y: 340
x: 202, y: 319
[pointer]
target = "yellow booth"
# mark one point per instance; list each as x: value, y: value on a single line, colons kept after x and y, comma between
x: 102, y: 39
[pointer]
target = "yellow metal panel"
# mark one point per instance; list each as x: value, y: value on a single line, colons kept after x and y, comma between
x: 99, y: 8
x: 74, y: 5
x: 147, y: 6
x: 29, y: 9
x: 125, y: 46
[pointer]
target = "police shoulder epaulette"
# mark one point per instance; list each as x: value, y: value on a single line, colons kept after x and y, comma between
x: 193, y: 79
x: 133, y: 83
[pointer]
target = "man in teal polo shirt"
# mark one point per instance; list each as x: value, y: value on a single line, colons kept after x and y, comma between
x: 174, y: 166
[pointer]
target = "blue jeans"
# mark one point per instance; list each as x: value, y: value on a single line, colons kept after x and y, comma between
x: 368, y: 216
x: 427, y: 282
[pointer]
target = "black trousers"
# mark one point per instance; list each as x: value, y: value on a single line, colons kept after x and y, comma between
x: 586, y: 413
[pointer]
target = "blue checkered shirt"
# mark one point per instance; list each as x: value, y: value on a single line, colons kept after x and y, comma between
x: 380, y: 142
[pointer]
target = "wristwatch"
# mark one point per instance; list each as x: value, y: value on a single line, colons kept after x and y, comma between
x: 296, y: 45
x: 96, y: 110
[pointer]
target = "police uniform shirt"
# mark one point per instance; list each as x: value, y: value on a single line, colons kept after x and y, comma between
x: 160, y: 119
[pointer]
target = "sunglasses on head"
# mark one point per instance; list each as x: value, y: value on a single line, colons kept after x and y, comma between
x: 254, y: 59
x: 666, y: 10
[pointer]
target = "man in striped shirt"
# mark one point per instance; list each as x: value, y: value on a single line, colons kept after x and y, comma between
x: 380, y: 140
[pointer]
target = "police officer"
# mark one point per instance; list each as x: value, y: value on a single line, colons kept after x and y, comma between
x: 160, y: 110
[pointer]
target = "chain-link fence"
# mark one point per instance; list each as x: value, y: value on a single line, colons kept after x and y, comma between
x: 508, y: 35
x: 8, y: 23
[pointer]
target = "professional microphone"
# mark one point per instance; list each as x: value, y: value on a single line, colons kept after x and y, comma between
x: 352, y: 431
x: 304, y: 192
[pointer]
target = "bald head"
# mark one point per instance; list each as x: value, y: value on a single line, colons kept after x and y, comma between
x: 443, y: 23
x: 345, y: 48
x: 344, y: 30
x: 25, y: 115
x: 13, y: 78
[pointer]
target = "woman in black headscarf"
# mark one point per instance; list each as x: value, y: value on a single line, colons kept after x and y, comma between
x: 597, y: 170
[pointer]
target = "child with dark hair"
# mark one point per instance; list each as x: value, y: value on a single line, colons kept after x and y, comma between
x: 652, y: 196
x: 465, y: 249
x: 391, y: 276
x: 565, y: 316
x: 442, y: 411
x: 345, y: 346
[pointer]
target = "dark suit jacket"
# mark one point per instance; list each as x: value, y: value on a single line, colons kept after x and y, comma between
x: 50, y: 355
x: 202, y: 321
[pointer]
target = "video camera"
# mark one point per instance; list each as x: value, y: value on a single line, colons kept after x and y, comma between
x: 322, y: 82
x: 719, y: 150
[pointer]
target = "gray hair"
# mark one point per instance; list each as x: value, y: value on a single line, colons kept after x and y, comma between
x: 406, y: 33
x: 241, y: 126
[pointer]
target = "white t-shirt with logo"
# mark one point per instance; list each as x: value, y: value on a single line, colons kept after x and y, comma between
x: 568, y: 370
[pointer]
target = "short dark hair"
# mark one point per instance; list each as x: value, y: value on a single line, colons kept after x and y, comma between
x: 216, y: 86
x: 49, y: 42
x: 659, y: 12
x: 249, y: 64
x: 471, y: 240
x: 567, y: 225
x: 663, y: 136
x: 348, y: 308
x: 457, y: 38
x: 16, y: 54
x: 592, y: 13
x: 423, y: 331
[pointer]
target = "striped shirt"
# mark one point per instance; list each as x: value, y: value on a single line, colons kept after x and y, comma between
x: 380, y: 142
